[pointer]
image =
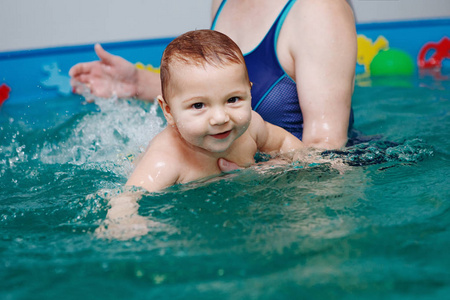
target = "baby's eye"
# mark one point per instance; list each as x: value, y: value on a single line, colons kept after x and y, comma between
x: 198, y: 105
x: 233, y: 100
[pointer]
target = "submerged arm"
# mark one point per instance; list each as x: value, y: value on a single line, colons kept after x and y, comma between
x: 122, y: 220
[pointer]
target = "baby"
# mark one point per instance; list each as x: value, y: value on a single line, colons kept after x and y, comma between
x: 206, y: 101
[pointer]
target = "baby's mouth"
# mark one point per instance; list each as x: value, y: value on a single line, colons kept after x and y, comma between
x: 221, y: 136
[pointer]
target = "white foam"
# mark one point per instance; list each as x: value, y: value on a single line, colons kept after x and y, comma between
x: 118, y: 132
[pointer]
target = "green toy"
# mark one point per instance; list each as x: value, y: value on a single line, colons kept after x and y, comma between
x: 391, y: 62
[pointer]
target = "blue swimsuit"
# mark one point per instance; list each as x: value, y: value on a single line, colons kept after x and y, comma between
x: 274, y: 93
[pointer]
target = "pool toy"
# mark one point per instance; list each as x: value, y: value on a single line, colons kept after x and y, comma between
x: 56, y: 80
x: 367, y: 49
x: 441, y: 51
x: 392, y: 62
x: 4, y: 93
x: 435, y: 73
x: 148, y: 67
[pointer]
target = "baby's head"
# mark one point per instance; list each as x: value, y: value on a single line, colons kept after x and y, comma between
x: 198, y: 48
x: 205, y: 90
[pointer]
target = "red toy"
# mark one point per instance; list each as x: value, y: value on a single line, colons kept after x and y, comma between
x: 4, y: 93
x: 441, y: 51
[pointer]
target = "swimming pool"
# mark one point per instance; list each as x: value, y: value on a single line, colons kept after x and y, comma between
x: 379, y: 229
x: 376, y: 229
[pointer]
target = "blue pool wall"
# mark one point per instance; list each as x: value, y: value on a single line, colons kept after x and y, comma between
x: 42, y: 74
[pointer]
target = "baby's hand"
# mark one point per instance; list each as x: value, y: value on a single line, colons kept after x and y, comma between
x: 122, y: 220
x: 227, y: 166
x: 126, y: 228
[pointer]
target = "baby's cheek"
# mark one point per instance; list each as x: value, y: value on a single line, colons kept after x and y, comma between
x: 246, y: 118
x: 244, y: 121
x: 191, y: 129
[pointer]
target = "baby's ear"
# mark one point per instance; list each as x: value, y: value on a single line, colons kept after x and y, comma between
x: 166, y: 110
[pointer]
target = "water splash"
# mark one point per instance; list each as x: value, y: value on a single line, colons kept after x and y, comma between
x: 378, y: 152
x: 116, y: 133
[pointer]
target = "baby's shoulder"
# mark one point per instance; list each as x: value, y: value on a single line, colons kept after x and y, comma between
x: 162, y: 148
x: 257, y: 128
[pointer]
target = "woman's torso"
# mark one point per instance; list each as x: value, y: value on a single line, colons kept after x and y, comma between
x: 247, y: 23
x: 258, y: 28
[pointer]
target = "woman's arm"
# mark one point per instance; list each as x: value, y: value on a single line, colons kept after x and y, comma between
x: 321, y: 39
x: 114, y: 76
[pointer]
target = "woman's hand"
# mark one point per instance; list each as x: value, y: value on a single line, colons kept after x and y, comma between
x: 109, y: 76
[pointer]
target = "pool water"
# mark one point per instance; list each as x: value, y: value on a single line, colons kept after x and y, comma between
x: 378, y: 229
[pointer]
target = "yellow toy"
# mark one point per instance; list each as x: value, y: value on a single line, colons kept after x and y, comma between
x: 368, y: 49
x: 147, y: 67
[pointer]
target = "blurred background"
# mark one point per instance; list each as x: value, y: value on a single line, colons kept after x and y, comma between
x: 28, y: 24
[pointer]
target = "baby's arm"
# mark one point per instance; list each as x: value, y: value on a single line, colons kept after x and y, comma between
x: 271, y: 138
x: 122, y: 220
x: 156, y: 170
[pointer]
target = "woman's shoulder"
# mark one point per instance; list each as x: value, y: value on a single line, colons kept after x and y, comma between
x: 215, y: 7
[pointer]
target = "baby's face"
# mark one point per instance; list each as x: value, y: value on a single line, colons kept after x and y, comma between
x: 210, y: 106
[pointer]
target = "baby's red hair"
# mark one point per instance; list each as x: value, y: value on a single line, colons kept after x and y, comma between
x: 199, y: 47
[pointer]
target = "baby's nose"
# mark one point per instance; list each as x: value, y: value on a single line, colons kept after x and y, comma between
x: 219, y: 117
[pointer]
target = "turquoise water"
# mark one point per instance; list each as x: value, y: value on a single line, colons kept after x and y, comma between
x: 379, y: 228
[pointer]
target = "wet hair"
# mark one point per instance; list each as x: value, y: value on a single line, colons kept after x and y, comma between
x: 197, y: 48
